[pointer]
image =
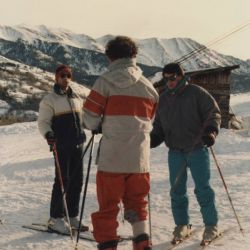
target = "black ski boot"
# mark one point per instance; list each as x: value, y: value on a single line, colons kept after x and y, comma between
x: 142, y: 242
x: 108, y: 245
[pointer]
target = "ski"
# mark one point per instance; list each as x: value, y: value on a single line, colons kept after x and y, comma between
x: 167, y: 245
x: 87, y: 235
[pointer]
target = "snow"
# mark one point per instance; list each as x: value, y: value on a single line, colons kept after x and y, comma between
x: 4, y: 107
x: 240, y: 104
x: 27, y: 172
x: 32, y: 33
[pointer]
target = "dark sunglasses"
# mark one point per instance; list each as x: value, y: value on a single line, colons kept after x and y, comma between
x: 63, y: 75
x: 170, y: 78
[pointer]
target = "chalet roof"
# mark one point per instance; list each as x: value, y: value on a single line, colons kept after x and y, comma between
x: 212, y: 70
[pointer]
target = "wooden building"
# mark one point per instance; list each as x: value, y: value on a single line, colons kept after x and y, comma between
x: 217, y: 82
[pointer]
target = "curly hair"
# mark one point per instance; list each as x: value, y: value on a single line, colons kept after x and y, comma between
x: 121, y: 47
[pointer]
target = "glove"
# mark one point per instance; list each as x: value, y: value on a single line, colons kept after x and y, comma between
x: 209, y: 136
x: 97, y: 131
x: 155, y: 140
x: 209, y: 139
x: 50, y: 137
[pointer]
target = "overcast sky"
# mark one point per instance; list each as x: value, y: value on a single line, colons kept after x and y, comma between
x: 201, y: 20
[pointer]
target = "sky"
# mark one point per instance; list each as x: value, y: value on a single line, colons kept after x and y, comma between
x: 201, y: 20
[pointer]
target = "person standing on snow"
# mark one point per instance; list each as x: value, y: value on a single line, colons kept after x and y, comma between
x: 187, y: 120
x: 59, y: 122
x: 122, y: 102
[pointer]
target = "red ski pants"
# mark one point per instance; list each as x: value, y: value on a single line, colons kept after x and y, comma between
x: 131, y: 189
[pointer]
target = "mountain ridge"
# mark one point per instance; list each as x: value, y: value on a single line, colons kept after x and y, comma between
x: 42, y: 48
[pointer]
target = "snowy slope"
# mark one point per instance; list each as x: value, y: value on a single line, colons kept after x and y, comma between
x: 26, y: 175
x: 240, y: 104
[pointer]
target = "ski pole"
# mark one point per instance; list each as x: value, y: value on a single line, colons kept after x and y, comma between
x: 149, y: 218
x: 85, y: 188
x: 58, y: 168
x: 86, y: 148
x: 224, y: 184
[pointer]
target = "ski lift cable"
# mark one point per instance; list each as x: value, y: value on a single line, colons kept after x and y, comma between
x: 211, y: 43
x: 205, y: 48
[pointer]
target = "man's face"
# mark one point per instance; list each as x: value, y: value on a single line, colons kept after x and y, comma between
x: 63, y: 79
x: 172, y: 80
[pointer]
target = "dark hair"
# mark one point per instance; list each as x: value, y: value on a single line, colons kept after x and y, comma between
x: 173, y: 68
x: 121, y: 47
x: 63, y: 67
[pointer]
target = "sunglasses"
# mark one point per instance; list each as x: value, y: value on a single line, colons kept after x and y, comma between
x: 170, y: 78
x: 63, y: 75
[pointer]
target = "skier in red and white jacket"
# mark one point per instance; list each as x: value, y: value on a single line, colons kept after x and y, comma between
x: 122, y: 102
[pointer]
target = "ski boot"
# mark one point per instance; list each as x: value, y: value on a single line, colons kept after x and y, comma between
x: 74, y: 223
x: 58, y: 225
x: 210, y: 233
x: 180, y: 233
x: 108, y: 245
x: 142, y: 242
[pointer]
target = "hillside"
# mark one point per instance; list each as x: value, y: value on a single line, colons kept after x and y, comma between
x: 21, y: 89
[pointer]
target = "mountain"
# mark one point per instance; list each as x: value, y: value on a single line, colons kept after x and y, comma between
x: 41, y: 32
x: 39, y: 50
x: 85, y: 54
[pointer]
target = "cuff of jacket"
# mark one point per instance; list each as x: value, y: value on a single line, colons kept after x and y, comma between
x: 211, y: 129
x: 155, y: 140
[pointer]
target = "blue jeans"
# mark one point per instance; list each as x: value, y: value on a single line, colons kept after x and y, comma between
x: 199, y: 164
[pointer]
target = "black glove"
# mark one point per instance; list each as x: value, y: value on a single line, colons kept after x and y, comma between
x: 209, y: 139
x: 155, y: 140
x: 97, y: 131
x: 50, y: 137
x: 209, y: 136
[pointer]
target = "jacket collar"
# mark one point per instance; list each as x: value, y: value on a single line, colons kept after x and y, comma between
x: 120, y: 63
x: 179, y: 87
x: 59, y: 91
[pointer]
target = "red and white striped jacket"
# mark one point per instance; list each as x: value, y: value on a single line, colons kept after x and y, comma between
x: 123, y: 101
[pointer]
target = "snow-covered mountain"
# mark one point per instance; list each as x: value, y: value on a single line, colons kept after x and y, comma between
x: 42, y: 48
x: 152, y: 51
x: 33, y: 33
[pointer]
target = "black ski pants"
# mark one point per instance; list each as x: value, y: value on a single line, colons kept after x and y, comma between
x: 71, y: 165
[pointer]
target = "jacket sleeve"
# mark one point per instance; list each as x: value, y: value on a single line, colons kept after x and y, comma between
x: 93, y: 108
x: 46, y: 113
x: 157, y: 134
x: 209, y: 111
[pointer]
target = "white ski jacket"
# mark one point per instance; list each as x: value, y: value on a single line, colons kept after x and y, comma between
x: 123, y: 102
